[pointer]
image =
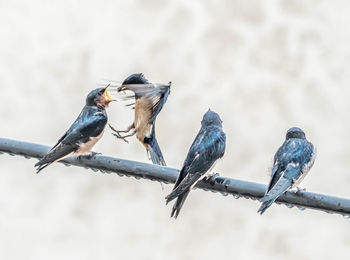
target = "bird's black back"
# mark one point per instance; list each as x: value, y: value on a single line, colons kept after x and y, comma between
x: 90, y: 123
x: 294, y: 150
x: 208, y: 146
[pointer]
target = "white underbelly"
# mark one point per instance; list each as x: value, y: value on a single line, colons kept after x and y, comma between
x: 86, y: 147
x: 142, y: 116
x: 205, y: 174
x: 64, y: 157
x: 305, y: 170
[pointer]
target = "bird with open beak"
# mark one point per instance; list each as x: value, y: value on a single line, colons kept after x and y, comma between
x: 149, y: 101
x: 292, y: 162
x: 207, y: 148
x: 84, y: 133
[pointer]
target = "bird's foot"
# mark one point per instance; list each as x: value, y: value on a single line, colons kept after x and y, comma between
x: 93, y: 154
x: 298, y: 190
x: 117, y: 135
x: 88, y: 156
x: 113, y: 129
x: 210, y: 176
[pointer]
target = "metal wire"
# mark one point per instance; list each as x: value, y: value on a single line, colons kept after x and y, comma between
x: 224, y: 185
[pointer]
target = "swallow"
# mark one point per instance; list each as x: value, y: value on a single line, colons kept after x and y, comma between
x: 207, y: 148
x: 149, y: 101
x: 83, y: 134
x: 292, y: 162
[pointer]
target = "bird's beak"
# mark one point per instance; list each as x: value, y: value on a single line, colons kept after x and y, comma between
x: 106, y: 96
x: 121, y: 88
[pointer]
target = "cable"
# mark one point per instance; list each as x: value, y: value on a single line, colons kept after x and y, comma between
x: 224, y: 185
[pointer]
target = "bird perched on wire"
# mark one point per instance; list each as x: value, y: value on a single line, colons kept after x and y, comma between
x: 149, y: 101
x: 292, y: 162
x: 83, y: 134
x: 208, y: 146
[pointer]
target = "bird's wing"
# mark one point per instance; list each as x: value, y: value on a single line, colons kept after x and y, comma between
x: 59, y: 152
x: 184, y: 186
x: 309, y: 156
x: 86, y: 127
x: 283, y: 183
x: 59, y: 141
x: 290, y: 163
x: 290, y: 151
x: 275, y: 175
x: 156, y: 94
x: 82, y: 129
x: 207, y: 148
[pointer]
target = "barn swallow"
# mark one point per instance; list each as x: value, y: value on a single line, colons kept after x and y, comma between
x: 292, y: 162
x: 83, y: 134
x: 207, y: 148
x: 149, y: 101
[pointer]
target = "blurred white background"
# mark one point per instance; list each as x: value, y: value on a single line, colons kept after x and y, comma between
x: 264, y: 66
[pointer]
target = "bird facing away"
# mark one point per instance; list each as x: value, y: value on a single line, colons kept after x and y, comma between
x: 149, y: 101
x: 292, y: 162
x: 207, y: 148
x: 83, y: 134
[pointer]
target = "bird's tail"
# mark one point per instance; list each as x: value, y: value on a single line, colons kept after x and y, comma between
x: 42, y: 164
x: 264, y: 206
x: 281, y: 186
x: 55, y: 154
x: 154, y: 149
x: 178, y: 204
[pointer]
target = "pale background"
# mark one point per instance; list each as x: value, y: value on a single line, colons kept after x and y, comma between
x: 264, y: 66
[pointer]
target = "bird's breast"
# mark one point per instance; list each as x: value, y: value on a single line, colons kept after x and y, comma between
x: 143, y: 109
x: 86, y: 147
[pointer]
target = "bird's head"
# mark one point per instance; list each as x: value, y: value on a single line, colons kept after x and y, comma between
x: 211, y: 118
x: 133, y: 79
x: 99, y: 97
x: 295, y: 132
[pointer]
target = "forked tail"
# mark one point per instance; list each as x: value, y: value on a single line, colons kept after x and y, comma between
x: 280, y: 187
x: 154, y: 149
x: 178, y: 204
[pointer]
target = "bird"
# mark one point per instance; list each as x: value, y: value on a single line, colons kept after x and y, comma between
x: 292, y: 162
x: 83, y: 134
x: 149, y: 101
x: 207, y: 148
